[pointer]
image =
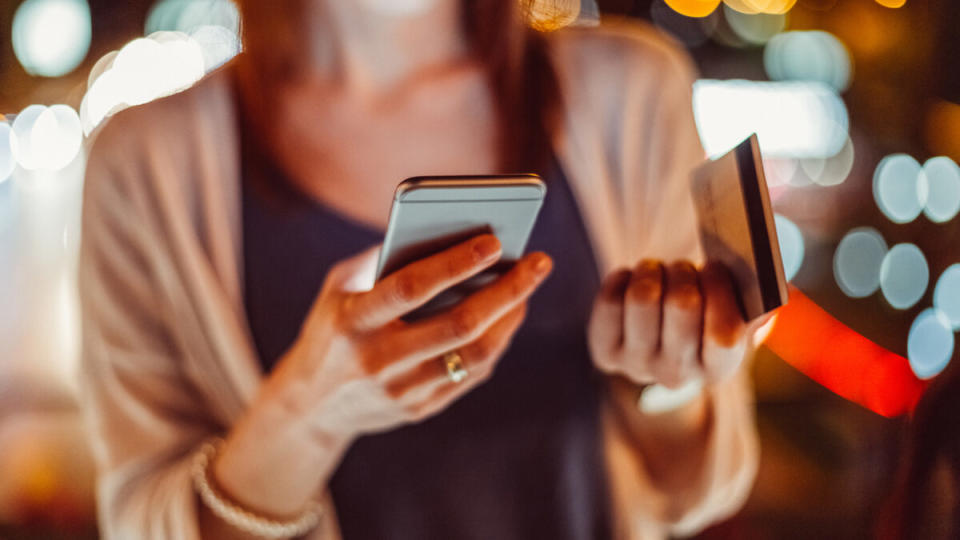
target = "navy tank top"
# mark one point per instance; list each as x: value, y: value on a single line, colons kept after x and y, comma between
x: 519, y: 457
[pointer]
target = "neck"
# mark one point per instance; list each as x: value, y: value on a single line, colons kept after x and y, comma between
x: 355, y: 44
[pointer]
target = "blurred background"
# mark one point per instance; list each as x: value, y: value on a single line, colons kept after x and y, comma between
x: 857, y: 107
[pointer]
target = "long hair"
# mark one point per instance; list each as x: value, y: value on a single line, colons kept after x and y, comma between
x: 514, y: 56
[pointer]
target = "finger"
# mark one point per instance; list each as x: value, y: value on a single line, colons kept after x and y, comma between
x: 605, y: 329
x: 418, y: 282
x: 470, y: 319
x: 643, y: 310
x: 724, y: 345
x: 479, y: 358
x: 682, y: 321
x: 354, y: 273
x: 722, y: 320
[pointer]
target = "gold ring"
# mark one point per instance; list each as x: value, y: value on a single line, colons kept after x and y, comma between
x: 456, y: 372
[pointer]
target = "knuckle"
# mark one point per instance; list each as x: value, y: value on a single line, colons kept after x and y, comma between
x: 646, y: 289
x: 405, y: 288
x: 463, y: 323
x: 685, y: 296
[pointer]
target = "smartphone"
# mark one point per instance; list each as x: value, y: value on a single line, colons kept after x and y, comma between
x: 432, y: 213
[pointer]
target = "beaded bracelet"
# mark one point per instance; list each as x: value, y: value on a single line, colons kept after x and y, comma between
x: 237, y: 517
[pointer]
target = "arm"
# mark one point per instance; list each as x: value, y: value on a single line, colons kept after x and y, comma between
x: 683, y: 470
x: 354, y: 369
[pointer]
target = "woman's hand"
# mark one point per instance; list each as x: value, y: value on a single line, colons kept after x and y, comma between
x: 668, y: 324
x: 356, y: 368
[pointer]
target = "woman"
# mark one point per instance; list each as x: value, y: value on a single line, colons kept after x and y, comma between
x: 214, y: 217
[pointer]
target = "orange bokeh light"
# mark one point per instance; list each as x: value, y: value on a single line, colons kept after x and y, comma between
x: 892, y: 3
x: 694, y: 8
x: 772, y: 7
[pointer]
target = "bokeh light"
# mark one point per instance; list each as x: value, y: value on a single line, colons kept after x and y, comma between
x: 46, y: 138
x: 774, y: 7
x: 930, y: 343
x: 692, y: 31
x: 808, y: 56
x: 51, y: 37
x: 942, y: 177
x: 899, y: 189
x: 143, y: 70
x: 904, y: 275
x: 830, y: 171
x: 857, y: 260
x: 791, y: 119
x: 7, y: 161
x: 791, y: 245
x: 892, y: 3
x: 217, y: 45
x: 757, y: 28
x: 693, y: 8
x: 946, y: 295
x: 188, y: 15
x: 551, y: 15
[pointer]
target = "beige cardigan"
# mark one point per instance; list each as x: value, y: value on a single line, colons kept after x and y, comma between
x: 168, y: 359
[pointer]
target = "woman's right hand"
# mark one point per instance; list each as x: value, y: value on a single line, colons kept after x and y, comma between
x: 356, y: 368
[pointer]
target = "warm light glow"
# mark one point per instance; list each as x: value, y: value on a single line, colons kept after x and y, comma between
x: 791, y: 245
x: 693, y: 8
x: 791, y: 119
x: 51, y: 37
x: 899, y: 189
x: 550, y: 15
x: 46, y: 138
x: 904, y: 276
x: 691, y: 31
x: 772, y: 7
x: 892, y: 3
x: 856, y: 263
x: 842, y: 360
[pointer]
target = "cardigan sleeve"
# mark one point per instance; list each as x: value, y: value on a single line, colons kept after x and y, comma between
x: 144, y: 418
x: 632, y: 90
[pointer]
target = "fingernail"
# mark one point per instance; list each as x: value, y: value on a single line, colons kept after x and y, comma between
x: 486, y: 246
x: 543, y: 264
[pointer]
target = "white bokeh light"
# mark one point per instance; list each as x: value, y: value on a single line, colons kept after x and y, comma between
x: 791, y: 245
x: 943, y: 185
x: 904, y: 276
x: 946, y: 295
x: 187, y: 15
x: 791, y: 119
x: 46, y: 138
x: 808, y: 56
x: 7, y: 161
x: 856, y: 263
x: 143, y: 70
x: 830, y: 171
x: 755, y: 28
x: 930, y: 343
x: 217, y: 44
x: 899, y: 188
x: 51, y: 37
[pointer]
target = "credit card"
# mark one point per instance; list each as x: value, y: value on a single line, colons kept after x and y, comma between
x: 737, y: 226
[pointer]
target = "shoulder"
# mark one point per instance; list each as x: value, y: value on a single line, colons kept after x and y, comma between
x: 166, y: 132
x: 621, y: 55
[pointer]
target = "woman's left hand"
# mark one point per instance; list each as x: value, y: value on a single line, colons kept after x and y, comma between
x: 668, y: 324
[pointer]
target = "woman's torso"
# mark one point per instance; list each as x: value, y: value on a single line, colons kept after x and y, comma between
x: 518, y: 457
